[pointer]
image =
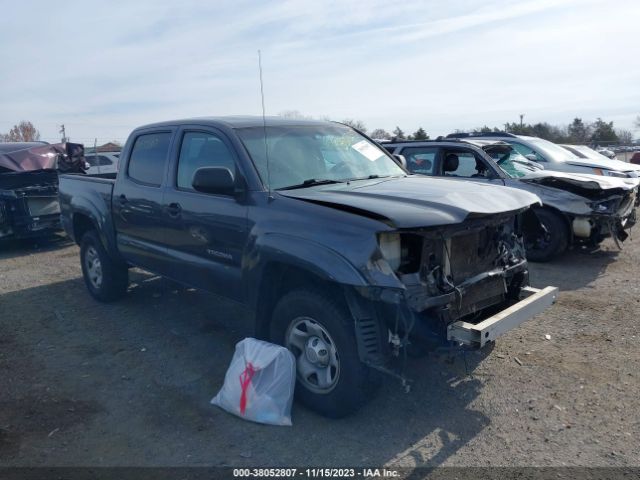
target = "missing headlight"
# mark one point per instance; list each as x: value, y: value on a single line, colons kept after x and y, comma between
x: 389, y: 244
x: 401, y: 251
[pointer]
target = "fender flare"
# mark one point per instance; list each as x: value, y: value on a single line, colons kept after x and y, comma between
x: 102, y: 223
x: 294, y: 251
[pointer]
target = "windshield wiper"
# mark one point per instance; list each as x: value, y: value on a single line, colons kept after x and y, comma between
x: 311, y: 182
x: 370, y: 177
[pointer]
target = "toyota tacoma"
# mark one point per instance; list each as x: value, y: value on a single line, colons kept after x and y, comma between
x: 344, y: 257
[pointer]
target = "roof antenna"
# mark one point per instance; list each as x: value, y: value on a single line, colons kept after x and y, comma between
x: 264, y: 127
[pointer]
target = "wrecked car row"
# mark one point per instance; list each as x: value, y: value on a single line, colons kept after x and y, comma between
x: 575, y: 208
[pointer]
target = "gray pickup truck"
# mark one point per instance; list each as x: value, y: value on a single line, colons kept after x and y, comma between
x: 343, y: 256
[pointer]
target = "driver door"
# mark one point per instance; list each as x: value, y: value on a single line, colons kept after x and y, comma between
x: 206, y: 233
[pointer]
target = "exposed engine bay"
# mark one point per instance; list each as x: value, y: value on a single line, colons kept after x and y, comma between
x: 459, y: 272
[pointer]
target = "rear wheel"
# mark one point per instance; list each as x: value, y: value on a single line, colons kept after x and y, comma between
x: 105, y: 278
x: 319, y: 331
x: 545, y: 247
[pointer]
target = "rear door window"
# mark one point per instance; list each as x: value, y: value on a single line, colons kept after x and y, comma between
x: 420, y: 160
x: 149, y: 158
x: 462, y: 164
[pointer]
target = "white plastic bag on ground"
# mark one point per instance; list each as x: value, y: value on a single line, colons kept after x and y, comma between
x: 259, y: 383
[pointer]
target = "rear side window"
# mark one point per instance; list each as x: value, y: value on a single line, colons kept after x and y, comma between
x: 420, y: 159
x: 148, y: 158
x: 462, y: 164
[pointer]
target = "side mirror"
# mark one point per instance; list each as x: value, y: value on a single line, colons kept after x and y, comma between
x: 400, y: 160
x: 531, y: 156
x: 217, y: 180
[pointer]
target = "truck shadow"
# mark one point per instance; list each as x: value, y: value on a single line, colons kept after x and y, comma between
x: 576, y: 269
x: 14, y: 248
x: 169, y: 347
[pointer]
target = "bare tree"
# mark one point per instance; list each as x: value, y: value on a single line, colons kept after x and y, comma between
x: 380, y: 134
x: 625, y: 137
x: 357, y: 124
x: 294, y: 114
x: 22, y: 132
x: 637, y: 122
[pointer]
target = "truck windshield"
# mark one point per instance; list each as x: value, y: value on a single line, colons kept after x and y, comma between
x: 307, y: 155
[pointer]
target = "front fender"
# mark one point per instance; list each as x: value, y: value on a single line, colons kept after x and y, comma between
x: 298, y: 252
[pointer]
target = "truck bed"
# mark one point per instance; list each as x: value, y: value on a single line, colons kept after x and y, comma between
x: 80, y: 193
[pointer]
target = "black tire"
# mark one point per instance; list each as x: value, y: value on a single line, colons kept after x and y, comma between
x: 355, y: 383
x: 114, y: 275
x: 555, y: 242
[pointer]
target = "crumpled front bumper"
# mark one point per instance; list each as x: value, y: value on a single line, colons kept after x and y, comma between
x: 478, y: 334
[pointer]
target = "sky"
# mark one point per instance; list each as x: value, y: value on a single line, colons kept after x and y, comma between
x: 104, y: 68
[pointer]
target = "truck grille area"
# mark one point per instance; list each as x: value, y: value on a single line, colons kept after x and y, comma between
x: 466, y: 270
x: 472, y: 254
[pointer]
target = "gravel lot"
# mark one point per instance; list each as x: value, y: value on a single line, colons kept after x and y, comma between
x: 83, y: 383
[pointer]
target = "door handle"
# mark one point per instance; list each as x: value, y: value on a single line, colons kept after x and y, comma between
x: 122, y: 199
x: 174, y: 209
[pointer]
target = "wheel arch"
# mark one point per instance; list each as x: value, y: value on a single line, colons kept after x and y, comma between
x: 368, y: 326
x: 85, y: 216
x: 279, y: 278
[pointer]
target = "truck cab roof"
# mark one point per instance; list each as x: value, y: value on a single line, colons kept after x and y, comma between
x: 238, y: 121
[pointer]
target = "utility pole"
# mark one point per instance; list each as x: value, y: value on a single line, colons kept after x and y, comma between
x: 64, y: 133
x: 95, y: 154
x: 521, y: 117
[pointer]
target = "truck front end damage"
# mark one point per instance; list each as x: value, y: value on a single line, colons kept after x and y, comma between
x: 463, y: 284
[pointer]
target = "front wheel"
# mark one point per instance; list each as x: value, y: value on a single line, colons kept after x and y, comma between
x: 105, y: 278
x: 319, y: 331
x: 544, y: 247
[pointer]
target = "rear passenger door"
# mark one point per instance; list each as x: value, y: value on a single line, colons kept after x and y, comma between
x: 137, y: 200
x: 206, y: 232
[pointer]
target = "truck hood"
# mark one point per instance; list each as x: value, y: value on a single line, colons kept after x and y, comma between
x: 577, y: 182
x: 415, y: 201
